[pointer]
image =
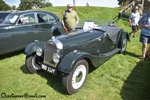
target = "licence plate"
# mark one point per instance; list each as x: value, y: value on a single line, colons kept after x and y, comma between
x: 49, y: 69
x: 44, y: 67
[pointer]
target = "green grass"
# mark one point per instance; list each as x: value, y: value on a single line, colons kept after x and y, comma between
x: 88, y: 12
x: 123, y: 77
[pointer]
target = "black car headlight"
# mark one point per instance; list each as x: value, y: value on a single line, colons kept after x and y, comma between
x: 39, y: 51
x: 56, y: 57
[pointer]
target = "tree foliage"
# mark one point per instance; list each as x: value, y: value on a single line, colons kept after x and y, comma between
x: 123, y: 3
x: 13, y: 7
x: 4, y: 6
x: 28, y: 4
x: 47, y: 4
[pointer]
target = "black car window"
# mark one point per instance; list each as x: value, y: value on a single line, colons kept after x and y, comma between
x: 51, y: 18
x: 3, y: 15
x: 27, y: 19
x: 11, y: 18
x: 42, y: 17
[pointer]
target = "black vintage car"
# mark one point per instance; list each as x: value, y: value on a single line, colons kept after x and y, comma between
x: 23, y: 27
x: 71, y: 55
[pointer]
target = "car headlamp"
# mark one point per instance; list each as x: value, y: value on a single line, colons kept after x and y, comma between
x: 56, y: 57
x: 39, y: 51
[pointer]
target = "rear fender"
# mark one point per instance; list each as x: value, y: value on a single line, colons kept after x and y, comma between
x: 70, y: 60
x: 31, y: 48
x: 125, y: 34
x: 122, y: 35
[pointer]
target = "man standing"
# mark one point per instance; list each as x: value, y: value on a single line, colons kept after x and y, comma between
x: 144, y: 23
x: 69, y: 19
x: 133, y: 20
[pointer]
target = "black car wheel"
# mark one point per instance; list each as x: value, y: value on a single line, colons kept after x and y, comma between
x: 123, y: 44
x: 76, y: 79
x: 32, y: 63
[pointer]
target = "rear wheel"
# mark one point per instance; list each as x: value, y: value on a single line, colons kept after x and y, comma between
x: 33, y: 63
x: 123, y: 44
x: 76, y: 79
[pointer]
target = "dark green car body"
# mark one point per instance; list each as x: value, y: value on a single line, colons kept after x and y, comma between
x: 23, y: 27
x: 71, y: 55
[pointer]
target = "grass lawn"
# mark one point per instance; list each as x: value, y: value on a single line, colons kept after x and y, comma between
x: 123, y: 77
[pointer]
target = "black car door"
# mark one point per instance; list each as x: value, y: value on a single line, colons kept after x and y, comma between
x: 46, y: 23
x: 111, y: 40
x: 6, y: 39
x: 25, y: 31
x: 108, y: 44
x: 105, y: 44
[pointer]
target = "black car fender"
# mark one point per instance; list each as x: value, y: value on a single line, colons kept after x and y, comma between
x: 125, y: 34
x: 122, y: 35
x: 31, y: 48
x: 70, y: 60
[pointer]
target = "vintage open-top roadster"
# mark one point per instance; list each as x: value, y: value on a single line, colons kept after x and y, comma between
x: 71, y: 55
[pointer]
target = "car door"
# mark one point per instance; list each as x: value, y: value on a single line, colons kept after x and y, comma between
x: 46, y: 25
x: 108, y: 44
x: 25, y: 31
x: 104, y: 46
x: 6, y: 39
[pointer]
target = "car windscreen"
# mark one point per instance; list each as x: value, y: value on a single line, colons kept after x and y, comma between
x: 90, y: 24
x: 10, y: 19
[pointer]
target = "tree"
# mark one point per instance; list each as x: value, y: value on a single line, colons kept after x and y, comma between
x: 13, y: 7
x: 47, y: 4
x: 28, y: 4
x: 4, y: 6
x: 123, y: 3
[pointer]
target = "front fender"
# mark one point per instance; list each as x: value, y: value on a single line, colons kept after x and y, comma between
x: 70, y: 60
x: 31, y: 48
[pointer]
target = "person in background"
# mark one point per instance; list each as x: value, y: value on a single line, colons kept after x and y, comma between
x: 69, y: 19
x: 133, y: 20
x: 87, y: 4
x: 144, y: 23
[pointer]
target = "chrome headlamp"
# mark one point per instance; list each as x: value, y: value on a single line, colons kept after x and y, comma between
x: 56, y: 57
x: 39, y: 51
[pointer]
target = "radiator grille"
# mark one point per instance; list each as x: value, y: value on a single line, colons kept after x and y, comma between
x: 48, y: 53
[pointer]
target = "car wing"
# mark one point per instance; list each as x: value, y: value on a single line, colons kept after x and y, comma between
x: 112, y: 32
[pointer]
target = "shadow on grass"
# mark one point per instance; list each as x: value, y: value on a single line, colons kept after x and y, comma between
x: 132, y: 54
x: 11, y: 54
x: 53, y: 81
x: 25, y: 70
x: 137, y: 85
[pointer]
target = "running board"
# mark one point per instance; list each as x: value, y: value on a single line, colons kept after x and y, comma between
x: 110, y: 53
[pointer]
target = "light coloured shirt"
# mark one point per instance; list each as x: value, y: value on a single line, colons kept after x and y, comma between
x: 134, y: 16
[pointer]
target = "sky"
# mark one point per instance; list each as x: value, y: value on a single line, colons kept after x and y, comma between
x: 100, y: 3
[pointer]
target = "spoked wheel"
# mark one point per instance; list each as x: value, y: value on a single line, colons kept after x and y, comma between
x: 76, y: 79
x: 33, y: 63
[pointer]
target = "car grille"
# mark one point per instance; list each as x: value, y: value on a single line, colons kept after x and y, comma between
x: 48, y: 54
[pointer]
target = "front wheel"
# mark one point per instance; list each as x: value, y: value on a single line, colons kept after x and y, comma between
x: 76, y: 79
x: 33, y: 63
